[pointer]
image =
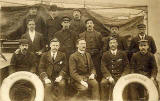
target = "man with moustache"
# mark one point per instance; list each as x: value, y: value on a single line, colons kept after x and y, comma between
x: 83, y: 71
x: 122, y: 43
x: 143, y: 62
x: 114, y: 64
x: 67, y: 37
x: 24, y: 60
x: 77, y: 24
x: 32, y: 14
x: 134, y: 47
x: 94, y: 45
x: 53, y: 22
x: 52, y: 69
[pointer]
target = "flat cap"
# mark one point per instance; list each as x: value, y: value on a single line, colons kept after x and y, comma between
x: 141, y: 26
x: 34, y: 6
x: 66, y: 18
x: 113, y: 37
x: 54, y: 40
x: 89, y: 19
x: 77, y: 9
x: 23, y: 41
x: 143, y: 41
x: 53, y: 8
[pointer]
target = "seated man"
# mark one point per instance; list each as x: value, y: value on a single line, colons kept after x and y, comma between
x: 143, y: 62
x: 23, y: 60
x: 114, y: 64
x: 83, y: 71
x: 52, y: 69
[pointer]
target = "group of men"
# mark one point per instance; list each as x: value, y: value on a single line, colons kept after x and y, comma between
x: 73, y: 49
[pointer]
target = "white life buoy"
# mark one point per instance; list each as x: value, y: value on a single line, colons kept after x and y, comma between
x: 134, y: 78
x: 22, y: 75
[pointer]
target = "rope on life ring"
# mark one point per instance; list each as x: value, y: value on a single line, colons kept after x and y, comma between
x: 22, y: 75
x: 135, y: 78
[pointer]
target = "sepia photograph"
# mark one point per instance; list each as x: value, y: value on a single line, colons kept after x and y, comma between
x: 79, y: 50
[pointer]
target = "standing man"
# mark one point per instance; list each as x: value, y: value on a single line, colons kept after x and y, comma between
x: 53, y: 22
x: 83, y: 71
x: 77, y: 24
x: 39, y: 21
x: 52, y: 69
x: 67, y: 37
x: 114, y: 64
x: 24, y: 60
x: 122, y: 42
x: 134, y: 47
x: 35, y: 38
x: 94, y: 45
x: 143, y: 62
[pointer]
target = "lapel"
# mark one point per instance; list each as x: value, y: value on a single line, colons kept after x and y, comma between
x: 58, y: 57
x: 50, y: 57
x: 28, y: 37
x: 35, y: 37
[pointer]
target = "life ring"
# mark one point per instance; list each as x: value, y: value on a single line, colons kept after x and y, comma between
x: 135, y: 78
x: 22, y: 75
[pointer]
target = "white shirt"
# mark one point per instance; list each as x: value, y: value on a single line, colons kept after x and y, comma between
x: 114, y: 52
x: 142, y: 37
x: 32, y: 35
x: 82, y: 52
x: 55, y: 54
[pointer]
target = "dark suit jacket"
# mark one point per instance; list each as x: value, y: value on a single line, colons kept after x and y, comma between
x: 37, y: 44
x: 114, y: 65
x: 77, y: 67
x: 144, y: 64
x: 134, y: 47
x: 50, y: 68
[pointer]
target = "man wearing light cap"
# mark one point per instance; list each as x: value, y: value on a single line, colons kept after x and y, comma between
x: 134, y: 47
x: 143, y: 62
x: 77, y: 24
x: 53, y: 22
x: 67, y: 37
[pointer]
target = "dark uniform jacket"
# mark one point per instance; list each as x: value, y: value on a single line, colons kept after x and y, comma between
x: 144, y: 64
x: 93, y: 40
x: 40, y: 27
x: 20, y: 62
x: 67, y: 39
x: 114, y: 65
x: 122, y: 43
x: 48, y: 67
x: 37, y: 44
x: 78, y: 26
x: 80, y: 66
x: 52, y: 26
x: 134, y: 47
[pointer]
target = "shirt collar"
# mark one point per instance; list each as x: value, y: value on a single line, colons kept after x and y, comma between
x: 55, y: 54
x: 142, y: 36
x: 81, y: 52
x: 32, y: 32
x: 114, y: 52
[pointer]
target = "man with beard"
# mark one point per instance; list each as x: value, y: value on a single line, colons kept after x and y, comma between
x: 77, y: 24
x: 83, y: 71
x: 67, y: 37
x: 114, y: 64
x: 134, y: 47
x: 122, y: 43
x: 24, y: 60
x: 52, y: 69
x: 53, y: 22
x: 94, y: 45
x: 39, y: 21
x: 143, y: 62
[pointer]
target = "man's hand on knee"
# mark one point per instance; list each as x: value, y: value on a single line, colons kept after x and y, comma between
x: 85, y: 84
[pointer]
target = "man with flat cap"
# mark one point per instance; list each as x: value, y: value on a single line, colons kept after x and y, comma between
x: 53, y: 22
x: 24, y: 60
x: 67, y: 37
x: 114, y: 64
x: 143, y: 62
x: 122, y: 42
x: 76, y: 23
x: 94, y: 44
x: 22, y: 28
x: 134, y: 47
x: 52, y: 70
